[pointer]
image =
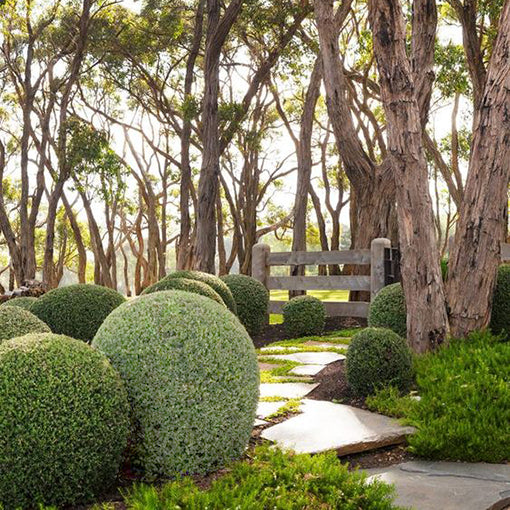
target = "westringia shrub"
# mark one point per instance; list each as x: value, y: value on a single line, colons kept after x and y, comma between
x: 63, y: 424
x: 213, y: 281
x: 192, y: 378
x: 193, y: 286
x: 16, y: 321
x: 500, y: 318
x: 273, y: 479
x: 304, y: 316
x: 388, y: 310
x: 25, y: 302
x: 252, y: 301
x: 377, y: 358
x: 464, y: 409
x: 77, y: 310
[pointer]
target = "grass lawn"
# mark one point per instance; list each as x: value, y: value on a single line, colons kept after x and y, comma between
x: 323, y: 295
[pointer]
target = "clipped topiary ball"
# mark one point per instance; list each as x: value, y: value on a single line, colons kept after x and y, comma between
x: 24, y: 302
x: 192, y: 378
x: 16, y: 321
x: 252, y: 300
x: 213, y: 281
x: 77, y: 310
x: 194, y: 286
x: 388, y: 310
x: 500, y: 318
x: 304, y: 316
x: 62, y: 429
x: 376, y: 358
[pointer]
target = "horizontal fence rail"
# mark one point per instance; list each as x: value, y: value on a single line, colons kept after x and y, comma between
x: 319, y: 258
x: 333, y: 309
x: 319, y: 283
x: 505, y: 252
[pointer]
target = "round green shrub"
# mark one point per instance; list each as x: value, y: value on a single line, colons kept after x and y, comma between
x: 77, y: 310
x: 63, y: 428
x: 500, y: 318
x: 252, y: 300
x: 304, y: 316
x: 194, y: 286
x: 213, y: 281
x: 377, y: 358
x: 388, y: 310
x: 25, y: 302
x: 192, y: 378
x: 16, y: 321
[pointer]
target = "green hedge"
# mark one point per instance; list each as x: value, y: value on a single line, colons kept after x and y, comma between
x: 77, y: 310
x: 193, y: 286
x: 388, y: 310
x: 213, y: 281
x: 252, y: 301
x: 376, y: 358
x: 192, y: 377
x: 16, y: 321
x: 500, y: 318
x: 304, y: 316
x: 25, y: 302
x: 63, y: 428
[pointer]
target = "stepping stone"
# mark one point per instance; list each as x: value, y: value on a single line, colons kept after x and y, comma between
x: 314, y: 343
x: 307, y: 369
x: 311, y: 358
x: 267, y: 366
x: 276, y: 348
x: 286, y: 390
x: 259, y: 423
x: 265, y: 409
x: 425, y: 485
x: 324, y: 426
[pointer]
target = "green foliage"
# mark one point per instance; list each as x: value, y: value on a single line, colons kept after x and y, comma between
x: 464, y: 409
x: 16, y: 321
x: 213, y: 281
x: 378, y: 357
x: 194, y: 286
x: 77, y: 310
x: 388, y: 310
x: 500, y: 318
x: 192, y: 378
x: 304, y: 316
x: 444, y: 269
x: 63, y: 428
x: 272, y: 479
x: 25, y: 302
x: 452, y: 76
x: 252, y: 301
x: 390, y: 402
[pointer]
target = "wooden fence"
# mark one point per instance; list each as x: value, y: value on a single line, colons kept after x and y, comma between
x: 505, y: 253
x: 376, y: 257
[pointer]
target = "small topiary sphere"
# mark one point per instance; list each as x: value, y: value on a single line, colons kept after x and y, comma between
x: 213, y: 281
x: 192, y: 378
x: 388, y: 310
x: 376, y: 358
x: 77, y: 310
x: 304, y: 316
x: 64, y: 421
x: 252, y: 300
x: 194, y: 286
x: 24, y: 302
x: 500, y: 318
x: 16, y: 321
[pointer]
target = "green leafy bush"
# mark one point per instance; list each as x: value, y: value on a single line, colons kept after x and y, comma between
x: 388, y: 310
x: 464, y: 410
x: 252, y: 300
x: 273, y: 479
x: 304, y: 316
x: 192, y: 378
x: 77, y: 310
x: 63, y: 428
x: 213, y: 281
x: 194, y: 286
x: 500, y: 318
x: 378, y: 357
x: 25, y: 302
x: 16, y: 321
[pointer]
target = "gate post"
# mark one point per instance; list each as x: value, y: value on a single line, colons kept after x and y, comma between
x: 259, y: 263
x: 377, y: 274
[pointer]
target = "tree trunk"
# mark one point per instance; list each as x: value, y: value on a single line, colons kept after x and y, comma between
x: 482, y: 219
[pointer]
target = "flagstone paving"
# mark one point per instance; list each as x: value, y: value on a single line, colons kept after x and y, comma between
x: 307, y: 370
x: 324, y: 426
x: 265, y: 409
x: 311, y: 358
x: 425, y: 485
x: 314, y: 343
x: 286, y: 390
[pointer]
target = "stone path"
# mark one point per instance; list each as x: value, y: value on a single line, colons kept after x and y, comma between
x: 426, y: 485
